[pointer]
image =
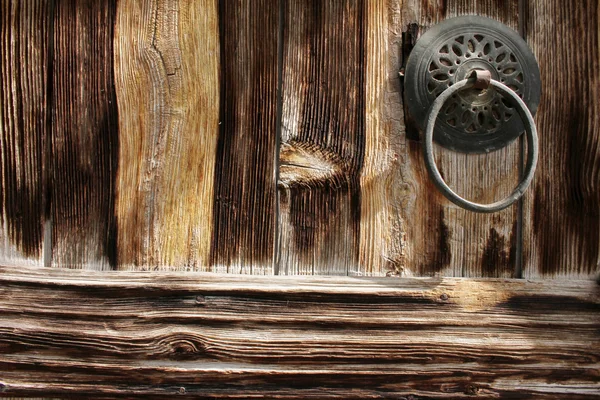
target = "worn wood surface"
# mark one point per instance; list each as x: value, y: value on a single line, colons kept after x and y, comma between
x: 245, y: 207
x: 562, y: 212
x: 384, y: 192
x: 441, y: 237
x: 226, y: 336
x: 322, y: 136
x: 24, y: 106
x: 167, y: 81
x: 152, y: 135
x: 390, y: 220
x: 84, y: 136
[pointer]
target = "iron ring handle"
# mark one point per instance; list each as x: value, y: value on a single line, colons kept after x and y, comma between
x: 532, y: 145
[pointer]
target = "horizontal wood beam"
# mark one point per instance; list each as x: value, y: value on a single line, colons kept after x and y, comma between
x: 151, y: 335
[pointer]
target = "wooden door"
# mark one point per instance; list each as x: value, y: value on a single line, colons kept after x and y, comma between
x: 269, y: 137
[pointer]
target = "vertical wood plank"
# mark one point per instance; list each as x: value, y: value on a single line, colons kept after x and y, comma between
x: 441, y: 237
x: 562, y: 210
x: 24, y: 34
x: 245, y: 187
x: 167, y: 83
x: 84, y: 144
x: 322, y: 138
x: 384, y: 192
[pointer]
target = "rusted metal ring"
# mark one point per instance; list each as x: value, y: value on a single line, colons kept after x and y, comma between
x: 532, y: 146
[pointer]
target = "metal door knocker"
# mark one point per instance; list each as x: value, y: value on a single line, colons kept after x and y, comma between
x: 473, y: 85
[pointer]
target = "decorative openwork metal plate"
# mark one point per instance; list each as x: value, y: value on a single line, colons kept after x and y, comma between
x: 473, y: 121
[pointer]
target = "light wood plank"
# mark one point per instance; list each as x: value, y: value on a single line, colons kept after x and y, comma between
x: 384, y: 191
x: 225, y: 336
x: 562, y: 211
x: 85, y: 137
x: 24, y: 31
x: 167, y: 82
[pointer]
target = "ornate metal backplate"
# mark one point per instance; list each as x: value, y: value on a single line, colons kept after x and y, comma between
x: 472, y: 121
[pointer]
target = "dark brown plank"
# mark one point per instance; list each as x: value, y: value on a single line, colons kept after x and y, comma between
x: 85, y: 135
x: 167, y: 82
x: 441, y: 238
x: 244, y: 215
x: 150, y: 334
x: 322, y: 136
x: 562, y: 211
x: 24, y: 41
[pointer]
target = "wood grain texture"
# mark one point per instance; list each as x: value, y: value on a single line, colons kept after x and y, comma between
x: 223, y: 336
x: 442, y: 238
x: 167, y: 82
x: 562, y: 212
x: 384, y: 192
x: 85, y: 138
x: 23, y: 128
x: 404, y: 226
x: 322, y: 136
x: 244, y: 208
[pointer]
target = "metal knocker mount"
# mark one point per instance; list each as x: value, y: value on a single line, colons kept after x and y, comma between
x: 473, y: 85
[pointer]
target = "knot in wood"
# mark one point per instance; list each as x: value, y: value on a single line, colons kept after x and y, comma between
x: 471, y: 390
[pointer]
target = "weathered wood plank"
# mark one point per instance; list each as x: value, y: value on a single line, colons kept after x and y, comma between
x: 244, y: 215
x: 382, y: 247
x: 562, y: 210
x: 84, y: 140
x: 322, y: 136
x: 205, y: 381
x: 442, y: 238
x: 404, y: 226
x: 225, y: 336
x: 24, y: 32
x: 167, y: 81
